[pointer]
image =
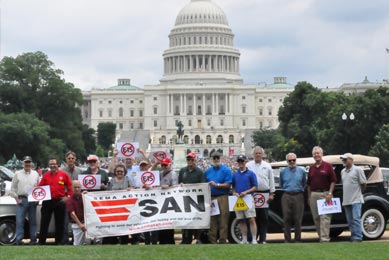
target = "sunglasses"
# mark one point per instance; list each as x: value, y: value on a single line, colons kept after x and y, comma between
x: 216, y: 158
x: 293, y: 160
x: 240, y: 161
x: 93, y: 161
x: 189, y: 159
x: 119, y: 171
x: 163, y: 165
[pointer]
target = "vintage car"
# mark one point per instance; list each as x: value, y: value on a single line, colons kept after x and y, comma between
x: 375, y: 210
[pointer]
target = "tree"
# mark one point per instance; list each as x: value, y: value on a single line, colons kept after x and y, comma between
x: 88, y: 135
x: 24, y: 134
x: 380, y: 148
x: 31, y: 84
x: 106, y: 135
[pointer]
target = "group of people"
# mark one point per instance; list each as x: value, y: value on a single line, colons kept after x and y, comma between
x: 250, y: 177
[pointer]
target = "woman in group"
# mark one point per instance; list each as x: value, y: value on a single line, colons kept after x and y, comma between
x: 119, y: 182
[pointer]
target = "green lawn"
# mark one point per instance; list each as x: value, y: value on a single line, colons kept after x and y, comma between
x: 337, y: 250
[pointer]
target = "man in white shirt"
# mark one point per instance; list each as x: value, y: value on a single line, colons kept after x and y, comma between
x: 265, y: 178
x: 22, y: 183
x: 354, y: 184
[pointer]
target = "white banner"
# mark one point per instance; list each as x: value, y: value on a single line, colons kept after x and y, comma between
x: 127, y: 149
x: 260, y: 200
x: 40, y: 193
x: 115, y: 213
x: 150, y: 178
x: 329, y: 208
x: 90, y: 181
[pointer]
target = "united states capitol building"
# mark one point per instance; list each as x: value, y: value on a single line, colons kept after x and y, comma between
x: 201, y: 86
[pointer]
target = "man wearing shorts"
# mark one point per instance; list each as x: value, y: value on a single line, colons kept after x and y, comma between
x: 244, y: 183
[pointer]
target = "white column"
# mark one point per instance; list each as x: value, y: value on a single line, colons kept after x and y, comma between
x: 185, y: 102
x: 217, y: 103
x: 203, y: 108
x: 171, y: 103
x: 194, y: 105
x: 222, y: 69
x: 230, y: 102
x: 203, y: 63
x: 190, y: 63
x: 197, y: 63
x: 181, y: 104
x: 213, y: 104
x: 185, y: 66
x: 226, y: 108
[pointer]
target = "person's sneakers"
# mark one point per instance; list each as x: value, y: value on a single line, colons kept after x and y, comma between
x: 254, y: 242
x: 243, y: 242
x: 263, y: 242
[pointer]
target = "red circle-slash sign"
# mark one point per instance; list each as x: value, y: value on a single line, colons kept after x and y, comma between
x: 259, y: 200
x: 89, y: 182
x: 127, y: 149
x: 39, y: 193
x: 147, y: 178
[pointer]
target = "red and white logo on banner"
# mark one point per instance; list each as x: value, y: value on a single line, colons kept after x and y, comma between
x: 160, y: 155
x: 113, y: 210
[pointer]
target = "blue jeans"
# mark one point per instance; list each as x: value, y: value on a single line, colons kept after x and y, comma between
x: 21, y: 210
x: 353, y: 215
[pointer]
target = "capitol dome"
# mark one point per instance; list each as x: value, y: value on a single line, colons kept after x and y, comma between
x: 201, y: 47
x: 201, y: 11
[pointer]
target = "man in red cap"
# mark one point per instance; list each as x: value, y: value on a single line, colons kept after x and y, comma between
x: 93, y: 168
x: 190, y: 174
x: 168, y: 178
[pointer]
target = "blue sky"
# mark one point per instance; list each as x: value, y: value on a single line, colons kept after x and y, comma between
x: 325, y: 42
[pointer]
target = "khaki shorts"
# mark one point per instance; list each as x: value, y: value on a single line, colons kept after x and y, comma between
x: 242, y: 214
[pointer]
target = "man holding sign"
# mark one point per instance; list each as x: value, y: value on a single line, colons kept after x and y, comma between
x: 244, y: 183
x: 321, y: 183
x: 24, y: 181
x: 58, y: 182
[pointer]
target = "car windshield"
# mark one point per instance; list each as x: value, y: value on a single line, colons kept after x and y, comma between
x: 6, y: 174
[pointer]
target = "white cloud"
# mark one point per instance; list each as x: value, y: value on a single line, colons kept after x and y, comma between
x: 96, y: 42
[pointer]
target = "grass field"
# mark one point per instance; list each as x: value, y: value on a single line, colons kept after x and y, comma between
x: 338, y: 251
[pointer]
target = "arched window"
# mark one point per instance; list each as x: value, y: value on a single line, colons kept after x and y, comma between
x: 219, y: 139
x: 186, y: 139
x: 205, y: 153
x: 231, y: 139
x: 208, y: 139
x: 197, y: 139
x: 177, y: 110
x: 199, y: 110
x: 121, y: 112
x: 163, y: 139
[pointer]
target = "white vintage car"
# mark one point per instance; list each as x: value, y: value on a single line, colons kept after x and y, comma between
x: 8, y: 211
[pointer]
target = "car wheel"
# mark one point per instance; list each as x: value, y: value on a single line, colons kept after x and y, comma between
x: 373, y: 224
x: 235, y: 236
x: 7, y: 231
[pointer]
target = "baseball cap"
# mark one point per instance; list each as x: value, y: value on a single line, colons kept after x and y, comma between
x: 143, y: 162
x: 347, y: 156
x: 27, y: 159
x: 92, y: 157
x: 166, y: 161
x: 216, y: 154
x: 241, y: 158
x: 191, y: 155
